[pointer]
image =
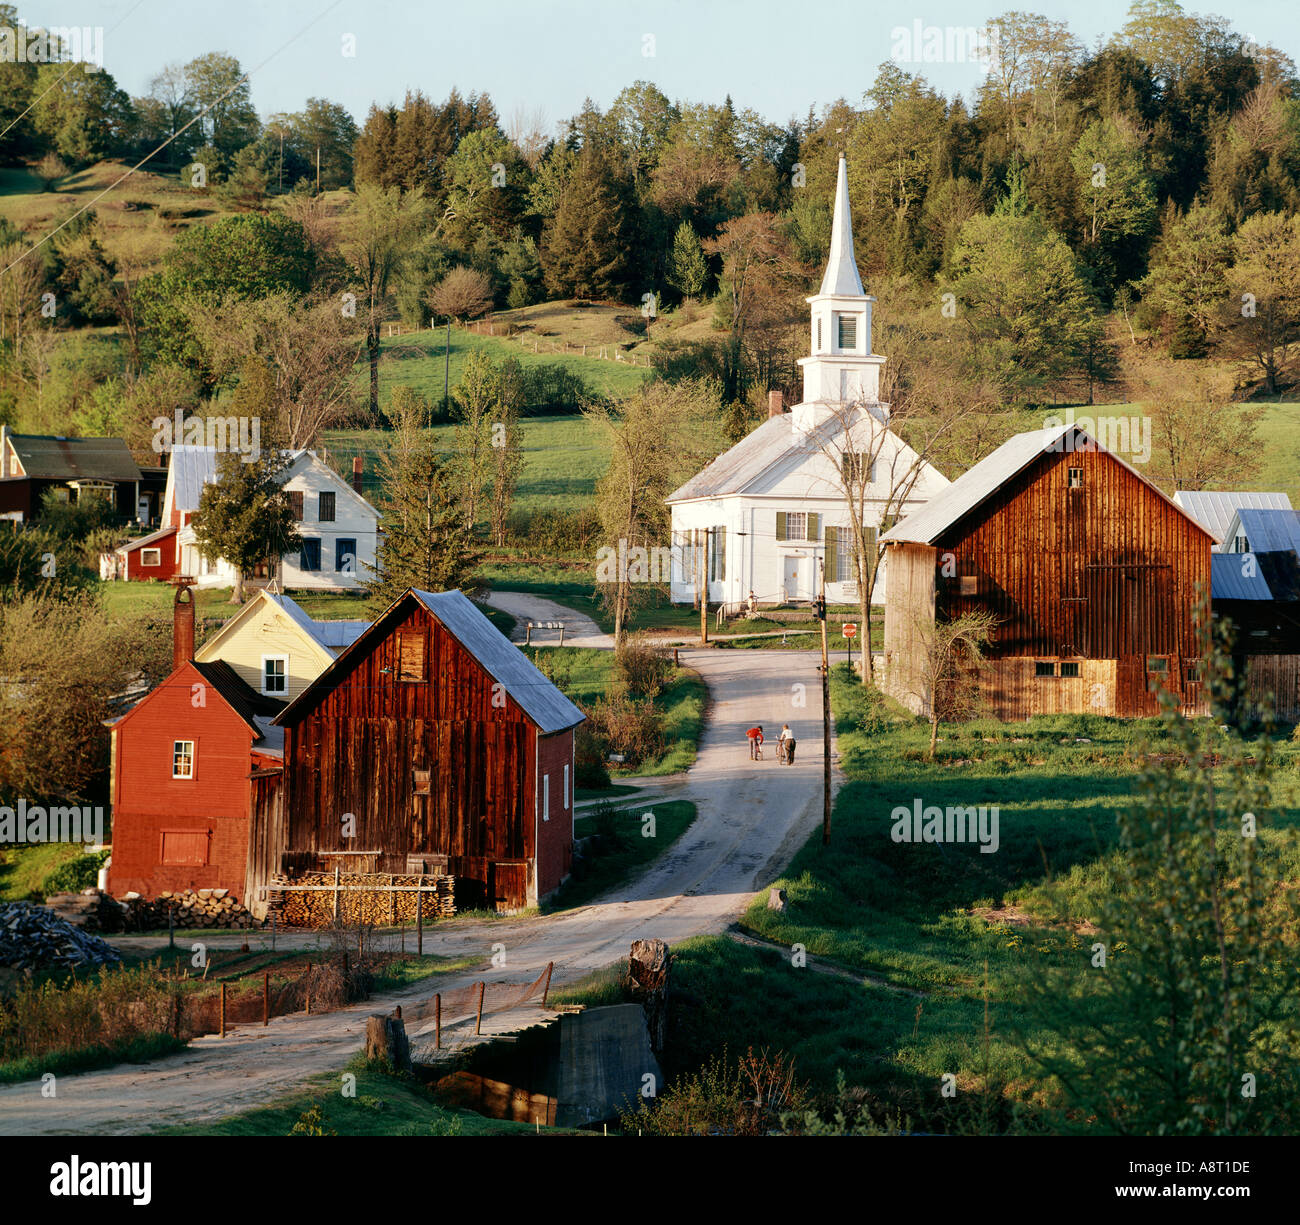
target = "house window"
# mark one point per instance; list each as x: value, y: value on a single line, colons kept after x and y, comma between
x: 546, y: 797
x: 566, y: 787
x: 187, y: 847
x: 421, y: 781
x: 182, y: 759
x: 275, y: 674
x: 848, y: 332
x: 295, y: 503
x: 1158, y: 665
x: 718, y: 555
x: 345, y: 555
x: 151, y: 557
x: 1044, y: 667
x: 1241, y: 545
x: 326, y: 511
x: 1070, y: 667
x: 857, y: 469
x: 309, y: 558
x: 1076, y: 478
x: 796, y: 525
x: 684, y: 551
x: 410, y: 655
x: 970, y: 584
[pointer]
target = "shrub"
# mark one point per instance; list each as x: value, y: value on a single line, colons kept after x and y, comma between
x: 50, y: 169
x: 589, y: 769
x: 642, y: 670
x: 553, y: 387
x: 556, y: 531
x: 628, y: 726
x: 75, y: 875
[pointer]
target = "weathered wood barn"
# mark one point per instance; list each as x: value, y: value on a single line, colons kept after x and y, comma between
x: 430, y: 744
x: 1092, y: 573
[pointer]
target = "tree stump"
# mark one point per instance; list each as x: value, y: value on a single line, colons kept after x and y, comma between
x: 776, y: 899
x: 386, y: 1039
x: 647, y: 982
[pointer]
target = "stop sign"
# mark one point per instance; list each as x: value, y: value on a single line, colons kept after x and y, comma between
x: 849, y: 630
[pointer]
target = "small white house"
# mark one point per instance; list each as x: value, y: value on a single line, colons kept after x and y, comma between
x: 339, y: 528
x: 768, y: 513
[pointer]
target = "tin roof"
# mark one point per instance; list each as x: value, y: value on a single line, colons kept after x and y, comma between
x: 1214, y: 508
x: 1267, y: 530
x: 1232, y: 578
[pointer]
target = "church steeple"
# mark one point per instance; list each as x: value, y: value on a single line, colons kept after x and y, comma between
x: 841, y: 277
x: 842, y: 368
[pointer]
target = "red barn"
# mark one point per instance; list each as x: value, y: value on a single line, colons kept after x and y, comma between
x: 181, y: 764
x: 444, y: 745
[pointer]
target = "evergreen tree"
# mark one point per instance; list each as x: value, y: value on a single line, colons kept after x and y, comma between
x: 586, y: 252
x: 687, y: 268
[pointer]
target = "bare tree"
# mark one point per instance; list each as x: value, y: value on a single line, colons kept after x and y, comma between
x: 464, y: 293
x: 945, y: 673
x: 527, y: 131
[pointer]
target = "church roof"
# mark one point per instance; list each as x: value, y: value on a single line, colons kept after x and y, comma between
x: 841, y: 277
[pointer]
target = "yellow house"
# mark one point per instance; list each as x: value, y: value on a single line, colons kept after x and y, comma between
x: 276, y: 648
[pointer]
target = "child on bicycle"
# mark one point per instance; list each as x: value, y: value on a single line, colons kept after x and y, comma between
x: 755, y: 735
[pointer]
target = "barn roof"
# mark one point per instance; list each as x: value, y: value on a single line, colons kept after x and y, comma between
x: 979, y: 483
x: 141, y: 542
x: 240, y: 697
x: 1269, y: 531
x: 334, y: 636
x: 1231, y: 580
x: 191, y: 469
x: 47, y: 457
x: 1214, y: 508
x: 536, y: 696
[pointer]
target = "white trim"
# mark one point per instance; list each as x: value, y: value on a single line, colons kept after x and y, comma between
x: 566, y: 784
x: 546, y: 797
x: 194, y: 756
x: 144, y: 555
x: 275, y: 693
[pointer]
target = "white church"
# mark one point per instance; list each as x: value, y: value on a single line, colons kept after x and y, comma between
x: 768, y: 513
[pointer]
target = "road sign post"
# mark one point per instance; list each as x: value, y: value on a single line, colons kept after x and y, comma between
x: 849, y: 630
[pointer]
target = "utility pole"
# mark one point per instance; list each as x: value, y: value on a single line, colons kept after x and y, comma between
x: 704, y: 589
x: 826, y: 713
x: 446, y: 372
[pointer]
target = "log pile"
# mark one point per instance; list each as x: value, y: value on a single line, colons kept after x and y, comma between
x: 90, y: 910
x: 367, y: 899
x: 192, y: 908
x: 35, y: 938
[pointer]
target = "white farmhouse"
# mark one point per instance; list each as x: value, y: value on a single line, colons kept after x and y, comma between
x: 764, y: 516
x: 339, y: 528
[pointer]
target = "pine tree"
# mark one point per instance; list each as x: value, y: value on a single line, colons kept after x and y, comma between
x: 587, y: 249
x: 687, y: 269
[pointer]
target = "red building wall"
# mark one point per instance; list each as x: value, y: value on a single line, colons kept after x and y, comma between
x: 147, y: 801
x: 137, y: 572
x: 554, y: 837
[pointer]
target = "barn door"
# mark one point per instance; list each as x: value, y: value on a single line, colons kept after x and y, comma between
x: 508, y: 885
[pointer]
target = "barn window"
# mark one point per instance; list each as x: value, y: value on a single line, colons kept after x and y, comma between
x: 410, y: 655
x: 151, y: 557
x: 275, y: 674
x: 295, y: 503
x: 187, y: 847
x: 326, y: 512
x: 566, y: 787
x: 546, y: 797
x: 1158, y: 665
x: 1076, y: 478
x: 1069, y: 667
x: 182, y: 759
x: 421, y: 781
x: 1044, y: 667
x: 970, y: 584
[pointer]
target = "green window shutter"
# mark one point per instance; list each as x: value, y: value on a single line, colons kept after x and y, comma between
x: 722, y: 553
x: 814, y: 527
x: 780, y: 525
x: 872, y: 550
x: 832, y: 554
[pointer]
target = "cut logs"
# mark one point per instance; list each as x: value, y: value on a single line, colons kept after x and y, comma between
x: 193, y: 908
x: 372, y: 899
x: 35, y: 938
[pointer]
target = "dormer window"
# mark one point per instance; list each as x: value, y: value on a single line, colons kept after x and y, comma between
x: 848, y: 332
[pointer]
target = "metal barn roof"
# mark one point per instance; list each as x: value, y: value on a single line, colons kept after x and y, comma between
x: 1269, y: 531
x: 1215, y: 508
x: 1232, y: 579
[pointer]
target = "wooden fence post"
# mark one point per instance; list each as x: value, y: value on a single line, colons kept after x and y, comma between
x: 437, y: 1022
x: 419, y: 920
x: 266, y: 997
x: 546, y: 990
x: 308, y: 989
x: 478, y: 1021
x: 223, y: 1010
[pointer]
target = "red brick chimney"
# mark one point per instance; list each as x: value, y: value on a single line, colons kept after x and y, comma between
x: 182, y: 626
x: 775, y: 404
x: 358, y: 465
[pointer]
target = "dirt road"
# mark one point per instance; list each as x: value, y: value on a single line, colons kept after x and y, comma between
x: 752, y: 816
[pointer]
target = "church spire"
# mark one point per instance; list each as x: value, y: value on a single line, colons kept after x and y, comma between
x: 841, y: 276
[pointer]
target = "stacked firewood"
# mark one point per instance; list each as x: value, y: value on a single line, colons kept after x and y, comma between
x: 368, y: 899
x: 193, y: 908
x: 34, y: 938
x: 90, y: 910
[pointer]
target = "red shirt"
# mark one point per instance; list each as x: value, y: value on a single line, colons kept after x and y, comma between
x: 755, y: 733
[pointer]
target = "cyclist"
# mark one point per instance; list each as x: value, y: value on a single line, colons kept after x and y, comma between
x: 755, y: 735
x: 786, y: 743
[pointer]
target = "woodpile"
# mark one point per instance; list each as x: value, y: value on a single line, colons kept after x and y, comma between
x: 192, y: 908
x: 372, y: 899
x: 89, y: 910
x: 35, y: 938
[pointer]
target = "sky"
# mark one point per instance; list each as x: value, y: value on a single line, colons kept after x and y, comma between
x: 776, y: 56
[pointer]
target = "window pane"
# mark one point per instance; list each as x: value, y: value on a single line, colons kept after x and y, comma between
x: 345, y: 555
x: 182, y: 759
x: 1044, y: 667
x: 327, y: 508
x: 274, y: 679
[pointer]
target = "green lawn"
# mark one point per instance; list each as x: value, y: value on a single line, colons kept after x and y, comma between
x: 23, y: 869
